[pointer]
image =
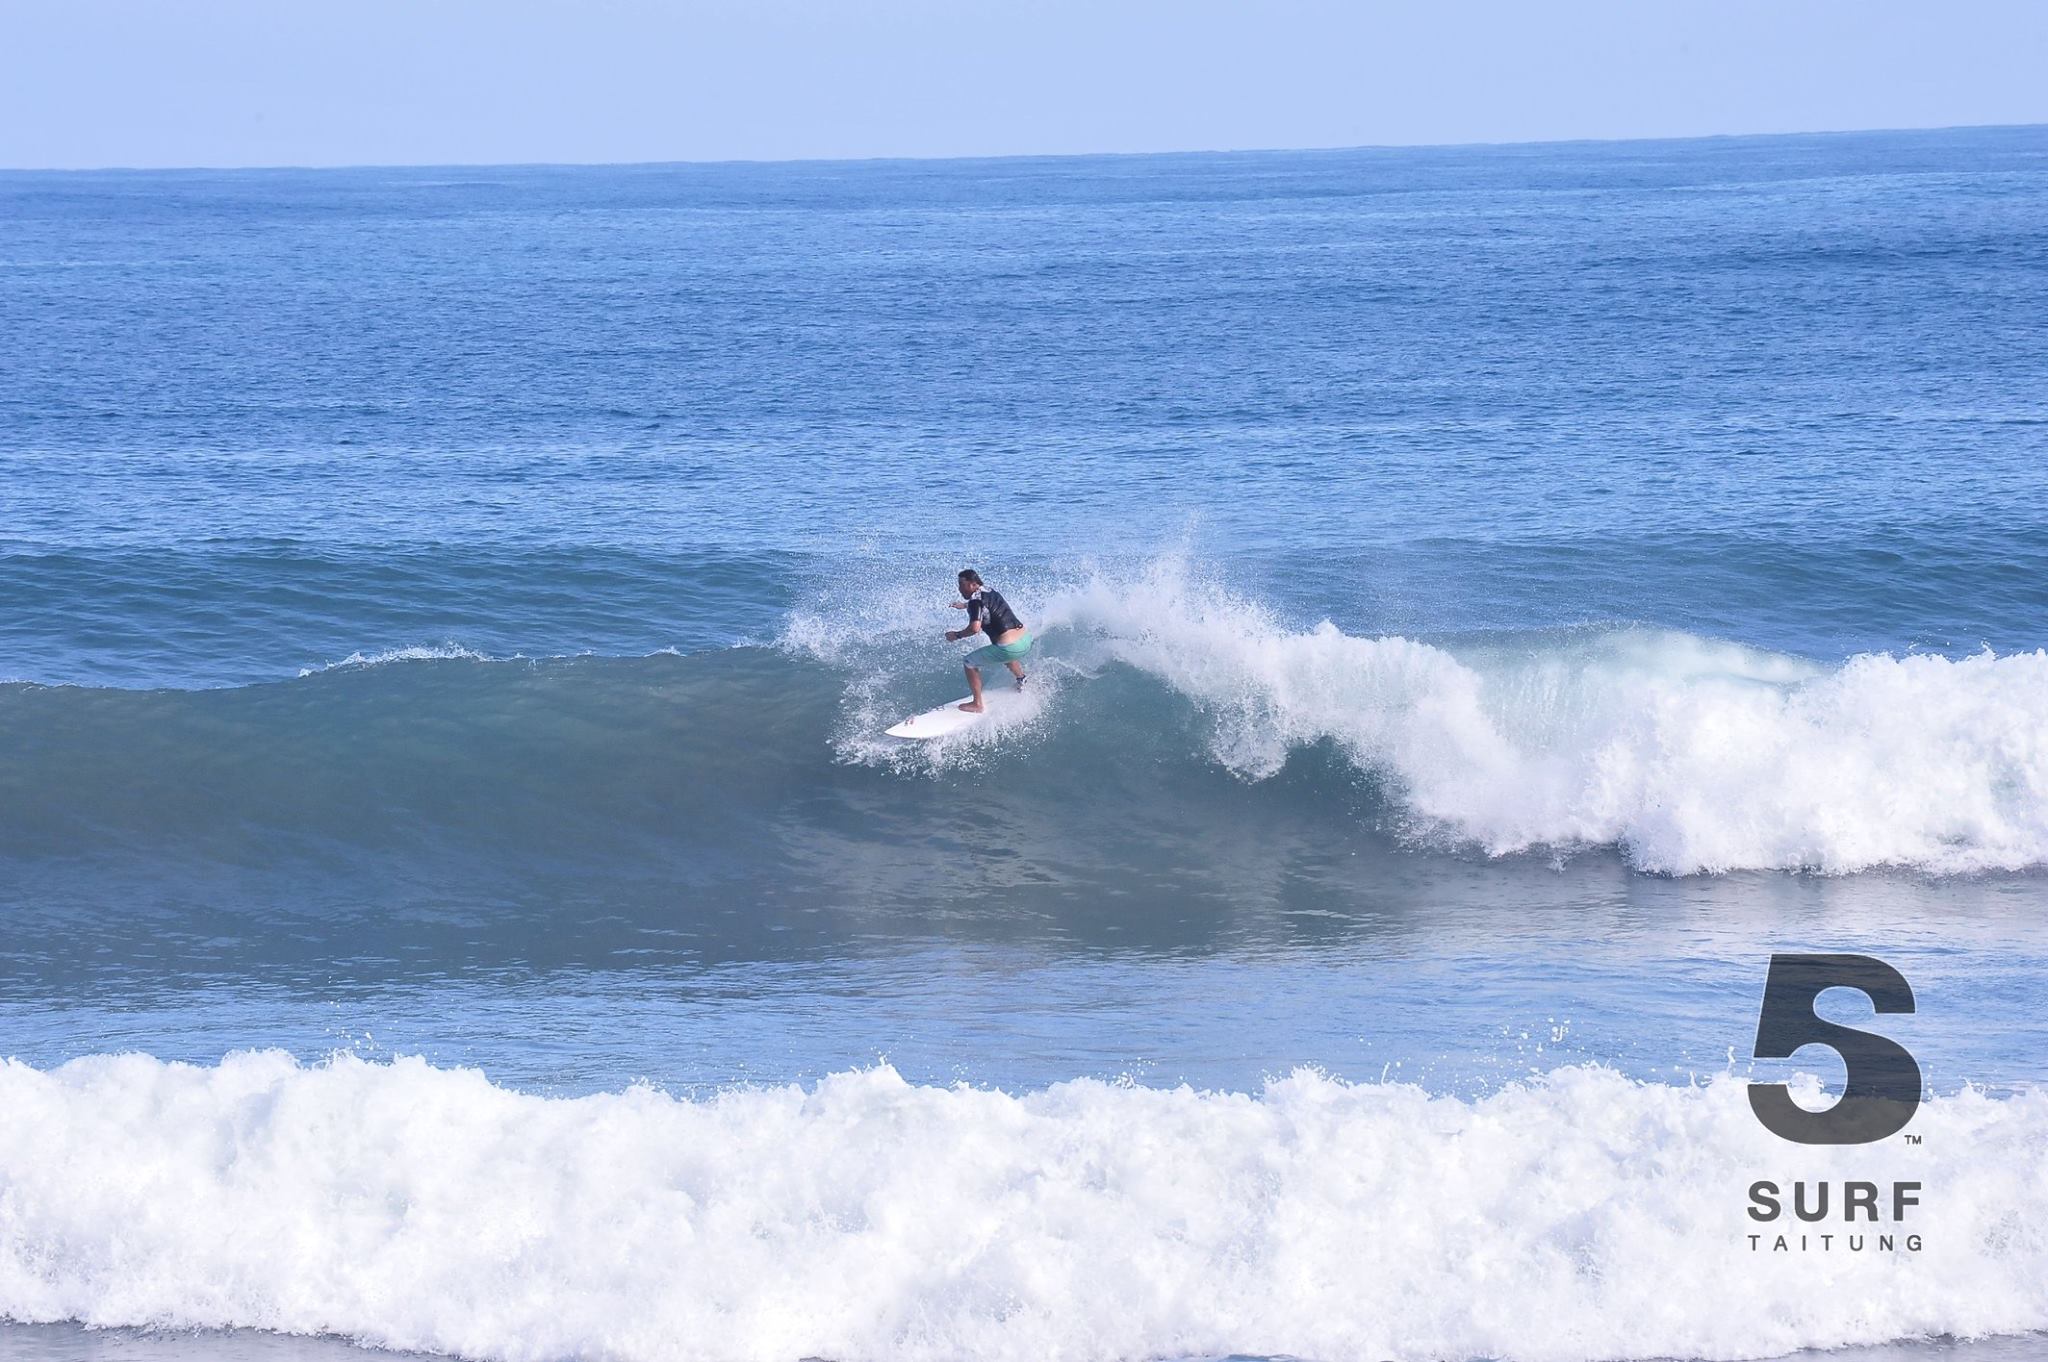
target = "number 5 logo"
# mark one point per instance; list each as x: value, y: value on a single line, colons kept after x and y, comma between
x: 1883, y: 1090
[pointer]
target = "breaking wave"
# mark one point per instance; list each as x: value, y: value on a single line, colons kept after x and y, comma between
x: 1685, y: 754
x: 1690, y: 754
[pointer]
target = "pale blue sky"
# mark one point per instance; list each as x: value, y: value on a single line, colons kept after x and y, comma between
x: 322, y: 82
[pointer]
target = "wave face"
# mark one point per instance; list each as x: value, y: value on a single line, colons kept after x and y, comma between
x: 868, y: 1218
x: 1159, y: 694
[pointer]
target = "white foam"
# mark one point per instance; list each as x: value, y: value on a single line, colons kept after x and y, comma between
x: 424, y: 652
x: 888, y: 633
x: 868, y: 1218
x: 1693, y: 755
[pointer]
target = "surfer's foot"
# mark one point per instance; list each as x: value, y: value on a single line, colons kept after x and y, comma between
x: 1020, y: 683
x: 971, y: 707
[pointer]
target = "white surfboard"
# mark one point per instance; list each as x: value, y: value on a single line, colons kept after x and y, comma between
x: 950, y: 718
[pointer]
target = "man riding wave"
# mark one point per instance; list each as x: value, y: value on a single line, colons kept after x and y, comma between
x: 988, y: 613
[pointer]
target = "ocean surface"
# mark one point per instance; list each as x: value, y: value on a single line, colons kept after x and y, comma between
x: 455, y: 894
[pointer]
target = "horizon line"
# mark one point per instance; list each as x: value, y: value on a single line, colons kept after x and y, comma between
x: 1007, y: 156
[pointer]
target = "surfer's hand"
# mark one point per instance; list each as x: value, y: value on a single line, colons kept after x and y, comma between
x: 957, y: 605
x: 950, y: 636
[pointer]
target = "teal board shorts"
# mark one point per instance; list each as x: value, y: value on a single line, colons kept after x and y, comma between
x: 995, y: 654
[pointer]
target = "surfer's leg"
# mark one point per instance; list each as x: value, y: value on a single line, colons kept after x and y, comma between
x: 974, y: 684
x: 1014, y: 654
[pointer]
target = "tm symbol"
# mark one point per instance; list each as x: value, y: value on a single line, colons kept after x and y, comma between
x: 1912, y: 1139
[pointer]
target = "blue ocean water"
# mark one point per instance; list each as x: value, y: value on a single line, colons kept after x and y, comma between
x: 1489, y: 600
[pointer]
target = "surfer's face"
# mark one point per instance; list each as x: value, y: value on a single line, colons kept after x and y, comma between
x: 966, y: 588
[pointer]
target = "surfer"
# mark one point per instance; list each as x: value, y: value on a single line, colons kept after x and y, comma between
x: 988, y: 613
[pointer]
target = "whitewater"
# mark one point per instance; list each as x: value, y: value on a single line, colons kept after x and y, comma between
x: 865, y: 1217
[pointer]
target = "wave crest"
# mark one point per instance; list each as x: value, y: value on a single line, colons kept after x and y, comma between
x: 419, y: 652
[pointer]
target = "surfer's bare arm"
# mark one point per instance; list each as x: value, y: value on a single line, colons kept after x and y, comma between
x: 973, y: 628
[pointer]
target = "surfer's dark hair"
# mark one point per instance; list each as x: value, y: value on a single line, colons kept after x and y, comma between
x: 970, y: 575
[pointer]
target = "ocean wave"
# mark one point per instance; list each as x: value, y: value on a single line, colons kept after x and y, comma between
x: 1692, y: 755
x: 1578, y: 1215
x: 1152, y: 689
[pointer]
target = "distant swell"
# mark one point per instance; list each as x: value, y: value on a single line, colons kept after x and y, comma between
x: 871, y: 1220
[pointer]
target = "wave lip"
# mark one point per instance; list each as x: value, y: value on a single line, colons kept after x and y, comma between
x: 1579, y: 1215
x: 1915, y: 761
x: 1692, y: 755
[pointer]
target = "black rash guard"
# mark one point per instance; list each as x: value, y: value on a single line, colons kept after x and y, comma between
x: 994, y: 613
